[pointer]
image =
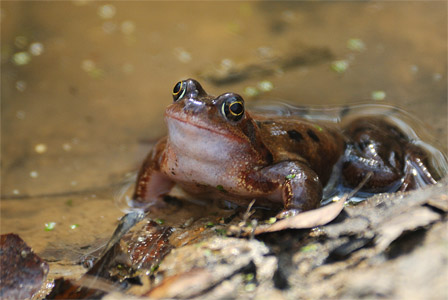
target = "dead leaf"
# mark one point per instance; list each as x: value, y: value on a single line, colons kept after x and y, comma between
x: 22, y: 272
x: 193, y: 281
x: 68, y: 289
x: 308, y: 219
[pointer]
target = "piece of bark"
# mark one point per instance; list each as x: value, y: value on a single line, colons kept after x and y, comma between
x: 138, y: 251
x: 440, y: 202
x: 195, y: 270
x: 414, y: 219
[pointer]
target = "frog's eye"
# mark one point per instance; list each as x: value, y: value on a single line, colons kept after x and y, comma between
x: 179, y: 90
x: 233, y: 108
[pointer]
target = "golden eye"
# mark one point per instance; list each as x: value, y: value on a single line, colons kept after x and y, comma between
x: 233, y: 108
x: 179, y: 90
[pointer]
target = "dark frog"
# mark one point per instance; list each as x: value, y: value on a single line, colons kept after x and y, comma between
x: 215, y: 149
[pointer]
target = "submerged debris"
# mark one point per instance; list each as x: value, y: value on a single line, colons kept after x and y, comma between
x: 107, y: 11
x: 21, y: 58
x: 378, y: 95
x: 21, y: 85
x: 40, y: 148
x: 356, y: 45
x: 271, y: 62
x: 340, y: 66
x: 50, y: 226
x: 36, y: 48
x: 182, y: 55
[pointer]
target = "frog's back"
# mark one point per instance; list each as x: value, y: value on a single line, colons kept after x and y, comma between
x: 294, y: 138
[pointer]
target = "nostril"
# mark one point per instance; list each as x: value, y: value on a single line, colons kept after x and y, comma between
x: 194, y: 105
x: 195, y: 88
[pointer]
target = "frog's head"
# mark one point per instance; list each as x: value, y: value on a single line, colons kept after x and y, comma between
x: 211, y: 128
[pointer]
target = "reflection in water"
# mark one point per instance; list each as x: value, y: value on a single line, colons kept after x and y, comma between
x: 122, y: 197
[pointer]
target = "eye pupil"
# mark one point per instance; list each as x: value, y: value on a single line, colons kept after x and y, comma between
x: 236, y: 108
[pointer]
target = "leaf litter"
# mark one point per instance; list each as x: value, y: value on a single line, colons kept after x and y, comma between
x: 191, y: 254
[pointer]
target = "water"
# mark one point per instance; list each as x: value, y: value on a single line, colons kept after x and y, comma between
x: 340, y: 116
x: 90, y: 81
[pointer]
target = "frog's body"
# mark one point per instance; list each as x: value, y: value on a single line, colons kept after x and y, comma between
x: 216, y: 150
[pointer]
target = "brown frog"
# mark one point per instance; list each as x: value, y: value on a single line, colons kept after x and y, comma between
x: 216, y: 150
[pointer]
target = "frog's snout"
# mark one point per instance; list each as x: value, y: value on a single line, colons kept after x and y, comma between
x: 193, y: 105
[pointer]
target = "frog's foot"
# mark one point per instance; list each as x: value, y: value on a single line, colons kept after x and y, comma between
x: 375, y: 146
x: 300, y: 187
x: 150, y: 189
x: 418, y: 171
x: 356, y: 166
x: 383, y: 149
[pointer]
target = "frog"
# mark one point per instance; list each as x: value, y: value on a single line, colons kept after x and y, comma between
x: 217, y: 150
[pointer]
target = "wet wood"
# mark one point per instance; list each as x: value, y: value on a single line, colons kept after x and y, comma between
x: 137, y: 252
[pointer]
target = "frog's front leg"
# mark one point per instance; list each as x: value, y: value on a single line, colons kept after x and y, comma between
x: 298, y: 185
x: 152, y: 183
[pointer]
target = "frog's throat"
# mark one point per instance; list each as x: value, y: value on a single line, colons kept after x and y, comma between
x: 171, y: 119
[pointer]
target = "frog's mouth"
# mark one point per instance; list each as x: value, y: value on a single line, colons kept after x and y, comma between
x: 193, y: 126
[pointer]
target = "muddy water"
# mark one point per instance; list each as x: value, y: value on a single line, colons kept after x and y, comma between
x: 84, y: 85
